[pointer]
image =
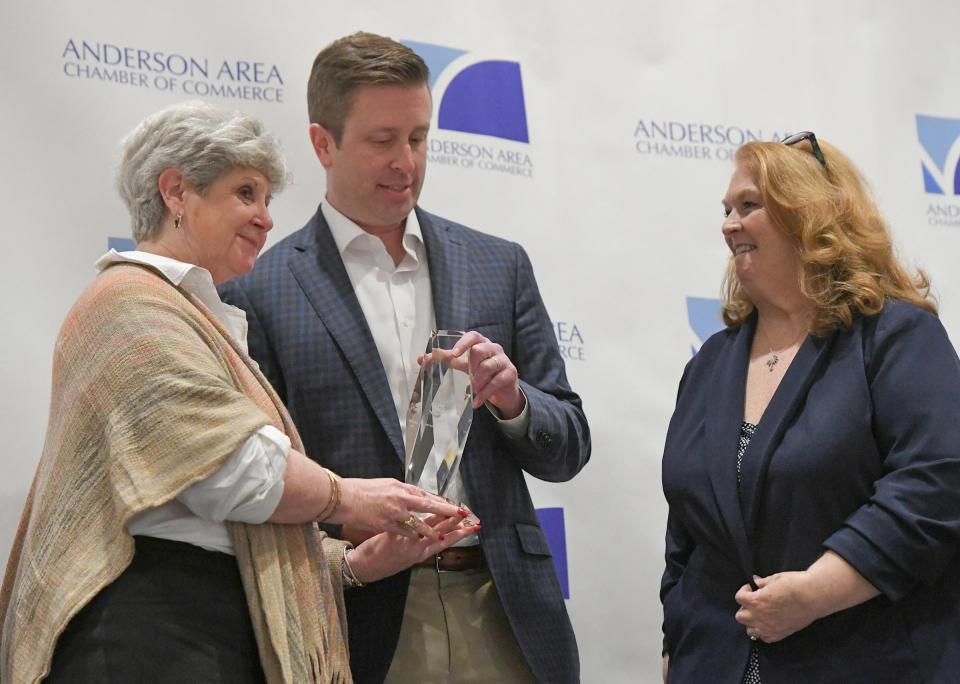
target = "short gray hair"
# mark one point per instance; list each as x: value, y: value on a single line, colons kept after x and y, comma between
x: 203, y: 143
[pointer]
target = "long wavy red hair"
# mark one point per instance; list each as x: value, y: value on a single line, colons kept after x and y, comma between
x: 846, y: 257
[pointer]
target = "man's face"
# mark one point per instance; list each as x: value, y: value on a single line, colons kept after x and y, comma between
x: 375, y: 174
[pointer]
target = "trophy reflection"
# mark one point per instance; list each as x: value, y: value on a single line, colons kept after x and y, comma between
x: 439, y: 416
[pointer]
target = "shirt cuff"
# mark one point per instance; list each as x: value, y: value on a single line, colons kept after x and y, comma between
x: 514, y: 428
x: 248, y: 487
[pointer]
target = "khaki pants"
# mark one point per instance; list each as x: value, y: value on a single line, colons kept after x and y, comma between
x: 454, y: 630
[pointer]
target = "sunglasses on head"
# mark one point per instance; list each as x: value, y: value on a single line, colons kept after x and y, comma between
x: 814, y: 146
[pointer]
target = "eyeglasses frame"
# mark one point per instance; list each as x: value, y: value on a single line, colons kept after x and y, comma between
x: 814, y: 145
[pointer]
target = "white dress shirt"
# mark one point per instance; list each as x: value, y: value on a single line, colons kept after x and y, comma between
x: 248, y: 487
x: 397, y: 303
x: 396, y: 299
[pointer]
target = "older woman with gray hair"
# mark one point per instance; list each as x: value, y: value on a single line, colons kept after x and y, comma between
x: 171, y: 530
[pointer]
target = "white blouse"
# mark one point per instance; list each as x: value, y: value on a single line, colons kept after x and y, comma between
x: 249, y: 485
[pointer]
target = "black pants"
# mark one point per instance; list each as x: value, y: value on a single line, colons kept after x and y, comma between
x: 177, y: 614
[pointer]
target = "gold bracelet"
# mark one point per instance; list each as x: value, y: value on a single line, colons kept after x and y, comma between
x: 334, y: 501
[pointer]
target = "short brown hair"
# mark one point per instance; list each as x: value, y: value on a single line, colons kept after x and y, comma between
x: 353, y: 61
x: 847, y: 262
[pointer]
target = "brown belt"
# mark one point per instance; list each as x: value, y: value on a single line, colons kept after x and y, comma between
x: 456, y: 558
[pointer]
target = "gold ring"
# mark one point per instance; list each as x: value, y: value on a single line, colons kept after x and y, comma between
x: 498, y: 362
x: 410, y: 522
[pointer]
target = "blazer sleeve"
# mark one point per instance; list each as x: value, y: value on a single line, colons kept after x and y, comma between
x: 556, y: 444
x: 679, y: 543
x: 679, y: 546
x: 908, y: 531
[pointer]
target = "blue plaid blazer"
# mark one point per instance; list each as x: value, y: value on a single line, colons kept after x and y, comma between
x: 309, y: 335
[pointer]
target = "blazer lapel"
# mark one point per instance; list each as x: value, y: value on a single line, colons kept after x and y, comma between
x: 449, y: 271
x: 725, y: 402
x: 790, y: 394
x: 320, y: 272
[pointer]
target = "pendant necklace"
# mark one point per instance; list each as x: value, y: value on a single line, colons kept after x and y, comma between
x: 773, y: 359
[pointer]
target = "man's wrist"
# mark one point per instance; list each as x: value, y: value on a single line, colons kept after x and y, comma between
x: 511, y: 408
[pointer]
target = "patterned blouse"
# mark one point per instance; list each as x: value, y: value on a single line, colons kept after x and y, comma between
x: 752, y: 675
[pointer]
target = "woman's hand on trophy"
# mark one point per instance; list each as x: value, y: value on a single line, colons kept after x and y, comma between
x: 387, y: 553
x: 388, y: 505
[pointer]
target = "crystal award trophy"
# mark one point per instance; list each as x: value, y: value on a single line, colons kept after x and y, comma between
x: 439, y: 416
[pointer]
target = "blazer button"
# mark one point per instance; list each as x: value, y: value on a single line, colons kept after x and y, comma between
x: 543, y: 439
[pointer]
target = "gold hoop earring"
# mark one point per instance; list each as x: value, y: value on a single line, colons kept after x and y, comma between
x: 177, y: 220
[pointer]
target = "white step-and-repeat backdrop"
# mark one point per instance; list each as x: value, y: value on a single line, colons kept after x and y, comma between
x: 603, y: 147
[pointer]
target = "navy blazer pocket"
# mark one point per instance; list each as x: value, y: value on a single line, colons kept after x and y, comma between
x: 492, y: 326
x: 489, y: 326
x: 533, y: 540
x: 490, y: 317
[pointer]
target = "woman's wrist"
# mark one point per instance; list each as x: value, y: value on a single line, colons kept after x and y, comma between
x: 831, y: 584
x: 333, y: 497
x: 350, y: 579
x: 344, y: 513
x: 364, y: 562
x: 813, y: 595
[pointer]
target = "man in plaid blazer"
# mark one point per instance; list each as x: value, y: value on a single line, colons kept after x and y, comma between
x: 338, y: 313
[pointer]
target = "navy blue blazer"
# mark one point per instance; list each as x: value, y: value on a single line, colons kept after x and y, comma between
x: 858, y: 452
x: 309, y: 335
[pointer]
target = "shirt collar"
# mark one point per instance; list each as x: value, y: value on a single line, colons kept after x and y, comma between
x: 194, y: 279
x: 346, y: 233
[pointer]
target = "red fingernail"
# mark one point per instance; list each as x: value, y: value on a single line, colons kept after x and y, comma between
x: 462, y: 513
x: 442, y: 537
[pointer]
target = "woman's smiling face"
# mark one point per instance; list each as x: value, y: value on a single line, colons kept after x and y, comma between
x: 765, y: 257
x: 226, y: 227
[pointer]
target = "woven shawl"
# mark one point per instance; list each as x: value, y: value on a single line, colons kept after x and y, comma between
x: 151, y: 395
